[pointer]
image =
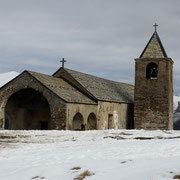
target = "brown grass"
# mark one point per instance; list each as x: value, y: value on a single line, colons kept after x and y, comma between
x: 115, y: 137
x: 177, y: 176
x: 157, y: 137
x: 123, y: 162
x: 76, y: 168
x: 144, y: 138
x: 7, y: 137
x: 35, y: 177
x: 175, y: 137
x: 125, y: 133
x: 83, y: 175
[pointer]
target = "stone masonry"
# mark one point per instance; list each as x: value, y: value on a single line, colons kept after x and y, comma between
x: 154, y: 97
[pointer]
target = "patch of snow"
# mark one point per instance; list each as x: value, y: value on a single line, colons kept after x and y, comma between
x: 6, y: 77
x: 52, y: 154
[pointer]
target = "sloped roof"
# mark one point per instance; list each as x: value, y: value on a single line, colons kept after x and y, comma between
x: 154, y: 48
x: 103, y: 89
x: 62, y: 88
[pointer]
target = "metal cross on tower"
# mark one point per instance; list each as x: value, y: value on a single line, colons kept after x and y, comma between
x: 63, y: 61
x: 155, y: 26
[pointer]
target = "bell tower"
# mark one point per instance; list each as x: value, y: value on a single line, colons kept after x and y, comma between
x: 153, y: 98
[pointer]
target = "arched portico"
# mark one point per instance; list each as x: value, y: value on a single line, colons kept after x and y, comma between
x: 27, y: 109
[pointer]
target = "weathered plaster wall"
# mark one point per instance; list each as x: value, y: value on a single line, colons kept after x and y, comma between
x: 122, y: 115
x: 57, y: 106
x: 154, y: 97
x: 83, y: 109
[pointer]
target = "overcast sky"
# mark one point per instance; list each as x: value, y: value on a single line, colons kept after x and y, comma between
x: 100, y: 37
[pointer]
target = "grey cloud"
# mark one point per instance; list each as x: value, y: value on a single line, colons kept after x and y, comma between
x: 99, y: 37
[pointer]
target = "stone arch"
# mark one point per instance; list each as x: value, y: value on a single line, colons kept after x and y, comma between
x: 77, y: 123
x: 27, y: 109
x: 152, y: 71
x: 92, y: 122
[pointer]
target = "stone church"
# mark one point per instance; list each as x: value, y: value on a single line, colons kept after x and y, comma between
x: 71, y: 100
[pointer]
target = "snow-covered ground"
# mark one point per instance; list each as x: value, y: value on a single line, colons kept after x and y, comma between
x: 108, y: 155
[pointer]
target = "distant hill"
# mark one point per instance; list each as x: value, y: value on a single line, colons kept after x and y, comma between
x: 176, y: 99
x: 6, y: 77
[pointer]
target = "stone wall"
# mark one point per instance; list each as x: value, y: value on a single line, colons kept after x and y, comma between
x: 84, y: 109
x: 154, y: 97
x: 57, y: 106
x: 122, y: 115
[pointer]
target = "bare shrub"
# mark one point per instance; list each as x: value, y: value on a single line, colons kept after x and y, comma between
x: 76, y: 168
x: 83, y: 175
x: 177, y: 176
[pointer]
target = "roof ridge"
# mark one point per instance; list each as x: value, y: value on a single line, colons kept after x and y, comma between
x: 49, y: 87
x: 99, y: 77
x: 41, y: 74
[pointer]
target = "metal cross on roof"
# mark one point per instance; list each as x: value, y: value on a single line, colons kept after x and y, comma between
x: 63, y: 61
x: 155, y: 26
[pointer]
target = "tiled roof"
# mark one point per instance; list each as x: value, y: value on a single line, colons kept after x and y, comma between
x: 61, y: 88
x: 103, y: 89
x: 154, y: 48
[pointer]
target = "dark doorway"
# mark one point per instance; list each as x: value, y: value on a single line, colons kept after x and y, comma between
x: 27, y: 109
x: 77, y: 123
x: 44, y: 125
x: 92, y: 122
x: 110, y: 121
x: 6, y: 126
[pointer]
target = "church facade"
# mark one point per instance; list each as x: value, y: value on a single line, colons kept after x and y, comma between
x: 71, y: 100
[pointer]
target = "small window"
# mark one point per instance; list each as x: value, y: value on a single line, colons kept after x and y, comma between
x: 151, y: 71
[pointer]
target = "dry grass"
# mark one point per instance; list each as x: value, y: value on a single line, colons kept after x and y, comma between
x: 177, y: 176
x: 7, y: 137
x: 123, y: 162
x: 125, y: 133
x: 38, y: 177
x: 144, y: 138
x: 76, y: 168
x: 175, y: 137
x: 83, y: 175
x: 35, y: 177
x: 115, y: 137
x: 157, y: 137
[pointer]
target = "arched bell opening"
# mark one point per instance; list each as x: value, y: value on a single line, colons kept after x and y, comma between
x: 151, y: 71
x: 27, y: 109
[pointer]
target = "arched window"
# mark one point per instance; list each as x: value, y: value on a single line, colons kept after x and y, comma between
x: 151, y: 71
